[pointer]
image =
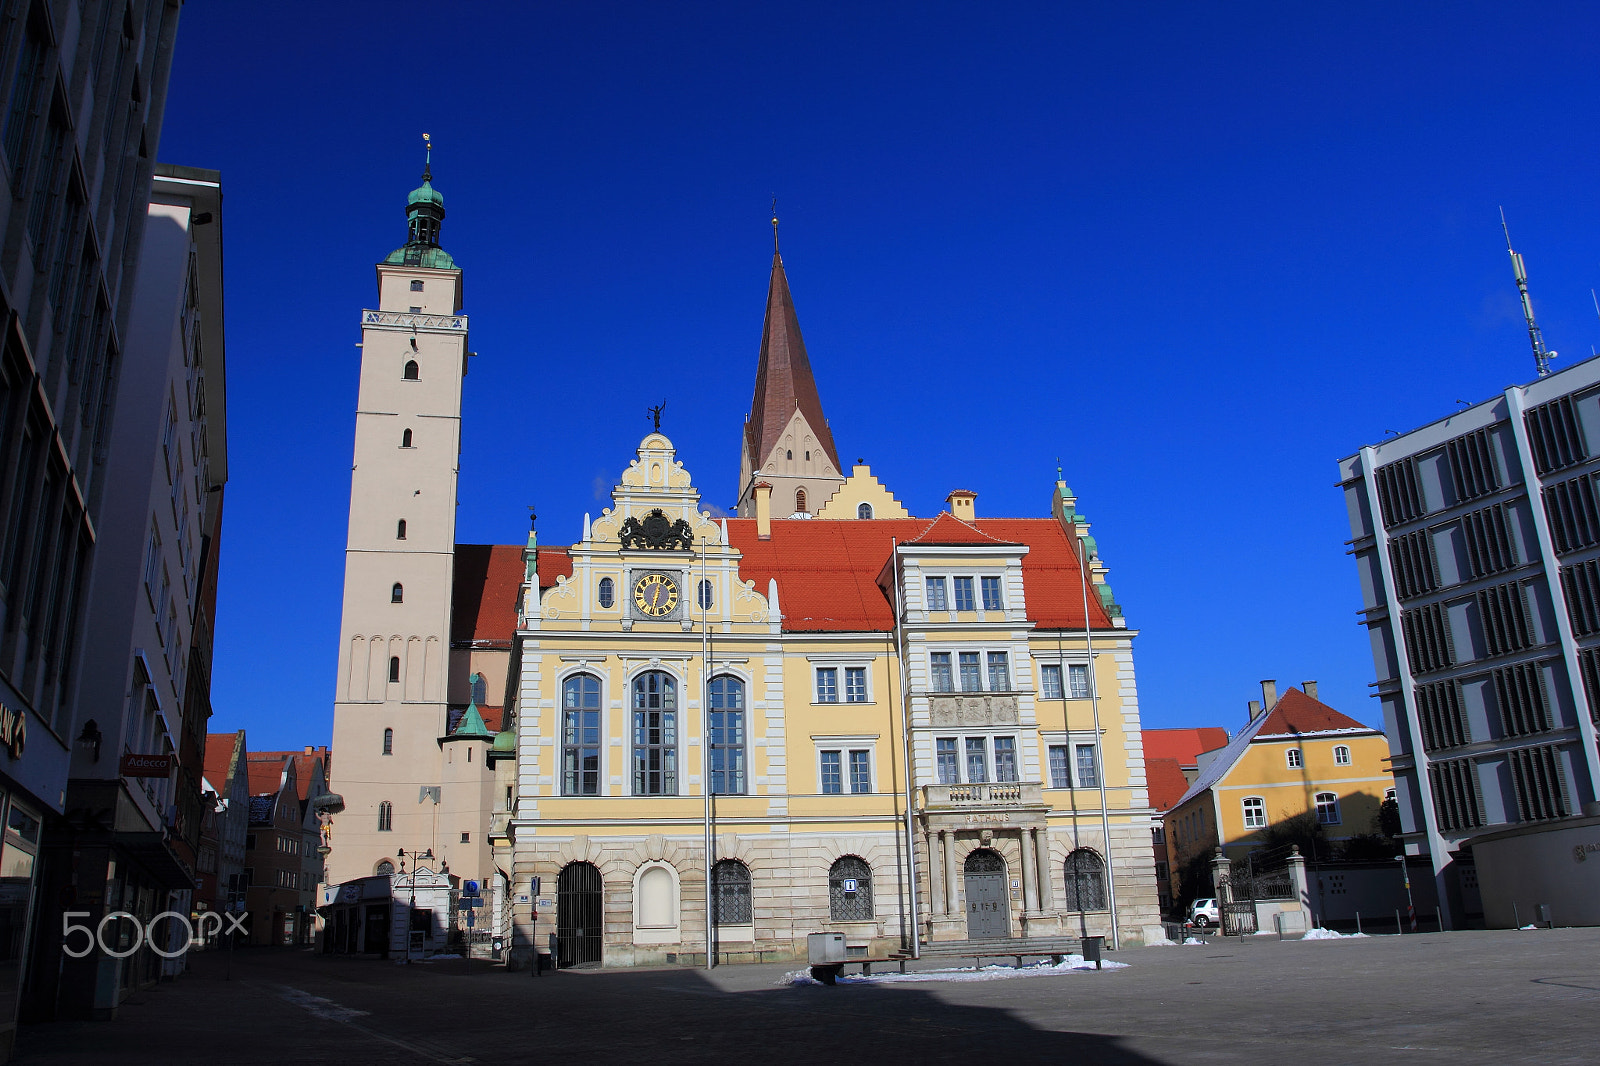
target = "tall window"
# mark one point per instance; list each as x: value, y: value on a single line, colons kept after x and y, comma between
x: 864, y: 511
x: 727, y: 739
x: 580, y: 736
x: 705, y: 595
x: 860, y: 772
x: 1341, y: 755
x: 831, y: 776
x: 1088, y: 769
x: 405, y: 439
x: 964, y: 600
x: 607, y: 592
x: 1050, y: 681
x: 1255, y: 812
x: 850, y: 890
x: 939, y: 668
x: 971, y: 676
x: 1086, y: 881
x: 999, y: 672
x: 479, y: 688
x: 385, y: 816
x: 1060, y: 771
x: 24, y: 92
x: 1005, y: 758
x: 1327, y: 808
x: 655, y: 735
x: 388, y: 741
x: 948, y: 761
x: 855, y: 684
x: 1078, y: 681
x: 730, y: 893
x: 991, y: 595
x: 400, y: 530
x: 977, y: 759
x: 412, y: 371
x: 936, y: 595
x: 1293, y: 756
x: 394, y: 668
x: 397, y: 594
x: 799, y: 500
x: 827, y: 685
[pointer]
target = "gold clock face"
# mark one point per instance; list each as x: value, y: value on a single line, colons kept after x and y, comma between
x: 656, y: 595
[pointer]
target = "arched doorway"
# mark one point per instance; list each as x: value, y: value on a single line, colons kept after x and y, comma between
x: 988, y: 912
x: 578, y: 914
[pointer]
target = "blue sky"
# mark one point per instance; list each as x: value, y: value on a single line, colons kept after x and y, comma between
x: 1197, y: 251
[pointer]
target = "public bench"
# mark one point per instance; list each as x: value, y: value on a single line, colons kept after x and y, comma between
x: 1055, y: 948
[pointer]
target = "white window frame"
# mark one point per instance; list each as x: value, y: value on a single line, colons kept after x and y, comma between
x: 1071, y: 741
x: 1341, y: 755
x: 1015, y: 657
x: 1067, y: 664
x: 961, y: 736
x: 1294, y: 758
x: 1331, y: 806
x: 841, y: 663
x: 607, y: 722
x: 844, y: 744
x: 1259, y: 808
x: 686, y: 717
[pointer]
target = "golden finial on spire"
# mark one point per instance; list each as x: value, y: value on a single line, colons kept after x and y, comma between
x: 774, y: 225
x: 427, y: 164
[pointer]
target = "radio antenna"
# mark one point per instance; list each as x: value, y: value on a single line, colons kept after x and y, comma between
x: 1541, y: 354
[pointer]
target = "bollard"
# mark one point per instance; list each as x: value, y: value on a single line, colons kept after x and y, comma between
x: 1516, y: 919
x: 1398, y: 928
x: 1358, y: 921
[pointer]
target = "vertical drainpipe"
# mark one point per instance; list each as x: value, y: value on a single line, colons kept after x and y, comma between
x: 905, y: 739
x: 1099, y: 757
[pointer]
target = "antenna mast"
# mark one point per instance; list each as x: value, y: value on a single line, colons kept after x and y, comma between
x: 1541, y: 354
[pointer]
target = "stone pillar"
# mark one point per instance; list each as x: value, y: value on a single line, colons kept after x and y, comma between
x: 952, y: 902
x: 936, y: 872
x: 1030, y: 894
x: 1297, y: 882
x: 1220, y: 867
x: 1047, y: 895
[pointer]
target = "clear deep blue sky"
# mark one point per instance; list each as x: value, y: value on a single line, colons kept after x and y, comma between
x: 1197, y: 251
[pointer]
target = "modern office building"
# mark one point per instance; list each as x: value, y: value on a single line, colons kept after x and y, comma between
x: 1477, y: 545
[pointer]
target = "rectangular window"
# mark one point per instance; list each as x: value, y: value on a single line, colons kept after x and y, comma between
x: 169, y: 440
x: 580, y: 770
x: 1504, y: 617
x: 1427, y: 637
x: 999, y: 672
x: 991, y: 595
x: 948, y: 761
x: 827, y: 685
x: 1088, y: 769
x: 727, y: 737
x: 1555, y: 436
x: 832, y: 782
x: 1457, y: 803
x: 1573, y: 512
x: 1444, y: 721
x: 1490, y: 548
x: 971, y: 675
x: 964, y: 600
x: 1540, y: 783
x: 1050, y: 681
x: 936, y: 595
x: 1255, y: 813
x: 1400, y: 492
x: 1519, y: 690
x: 1293, y: 758
x: 855, y: 684
x: 1005, y: 758
x: 1327, y: 808
x: 1078, y: 681
x: 1472, y: 466
x: 655, y: 736
x: 860, y: 771
x: 977, y: 759
x: 939, y: 662
x: 1580, y: 585
x: 1060, y: 772
x: 24, y: 92
x: 1415, y: 569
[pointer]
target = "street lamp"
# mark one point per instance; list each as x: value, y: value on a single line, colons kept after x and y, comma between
x: 411, y: 909
x: 1411, y: 909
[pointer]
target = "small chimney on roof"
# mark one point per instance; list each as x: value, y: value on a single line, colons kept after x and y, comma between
x: 1309, y: 688
x: 1269, y: 694
x: 961, y: 504
x: 310, y: 749
x: 763, y: 494
x: 1255, y: 709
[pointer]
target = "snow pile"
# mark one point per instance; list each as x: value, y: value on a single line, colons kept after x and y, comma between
x: 1070, y: 964
x: 1530, y: 925
x: 1329, y: 934
x: 1162, y: 942
x: 1195, y: 942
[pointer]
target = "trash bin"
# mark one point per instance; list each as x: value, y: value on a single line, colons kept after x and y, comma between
x: 1092, y: 946
x: 826, y: 953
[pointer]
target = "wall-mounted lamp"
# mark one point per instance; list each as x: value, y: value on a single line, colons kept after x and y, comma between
x: 89, y: 740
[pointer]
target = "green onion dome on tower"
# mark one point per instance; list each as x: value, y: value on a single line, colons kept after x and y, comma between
x: 424, y: 220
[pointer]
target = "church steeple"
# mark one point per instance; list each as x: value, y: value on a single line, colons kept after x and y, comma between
x: 424, y: 221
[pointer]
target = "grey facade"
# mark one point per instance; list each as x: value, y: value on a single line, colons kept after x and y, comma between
x: 1477, y: 543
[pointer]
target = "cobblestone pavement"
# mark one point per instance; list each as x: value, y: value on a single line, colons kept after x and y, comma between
x: 1524, y: 997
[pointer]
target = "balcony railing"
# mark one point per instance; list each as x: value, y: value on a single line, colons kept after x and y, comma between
x: 986, y: 794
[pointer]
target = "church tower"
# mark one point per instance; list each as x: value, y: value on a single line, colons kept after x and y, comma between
x: 787, y: 443
x: 391, y: 706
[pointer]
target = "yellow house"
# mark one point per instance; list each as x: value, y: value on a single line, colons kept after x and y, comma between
x: 1299, y: 758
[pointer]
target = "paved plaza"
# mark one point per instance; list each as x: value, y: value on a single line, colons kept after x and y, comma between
x: 1524, y: 997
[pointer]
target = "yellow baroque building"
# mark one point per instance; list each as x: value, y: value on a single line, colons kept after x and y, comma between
x: 897, y: 728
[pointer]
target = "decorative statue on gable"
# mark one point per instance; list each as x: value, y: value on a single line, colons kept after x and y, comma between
x: 657, y: 532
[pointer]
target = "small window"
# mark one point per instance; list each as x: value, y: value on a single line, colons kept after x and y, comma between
x: 416, y: 286
x: 1060, y: 771
x: 1050, y: 681
x: 466, y: 838
x: 1088, y: 767
x: 405, y: 439
x: 971, y: 675
x: 397, y: 594
x: 831, y: 776
x: 992, y: 600
x: 936, y: 595
x: 704, y: 595
x: 1255, y: 812
x: 788, y: 454
x: 1389, y: 794
x: 1327, y: 808
x: 860, y: 771
x: 964, y: 600
x: 385, y: 817
x: 939, y: 666
x: 799, y: 499
x: 999, y: 672
x: 607, y: 592
x: 1341, y: 755
x: 415, y: 310
x: 827, y: 684
x: 855, y: 684
x: 864, y: 511
x: 948, y: 761
x: 1078, y: 681
x: 400, y: 530
x: 413, y: 372
x: 394, y: 668
x: 1293, y: 756
x: 1005, y: 758
x: 808, y: 457
x: 388, y: 741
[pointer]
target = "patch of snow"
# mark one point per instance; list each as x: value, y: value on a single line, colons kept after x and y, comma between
x: 320, y: 1006
x: 1329, y: 934
x: 1162, y: 943
x: 1070, y: 964
x: 438, y: 958
x: 1195, y: 942
x: 1530, y: 925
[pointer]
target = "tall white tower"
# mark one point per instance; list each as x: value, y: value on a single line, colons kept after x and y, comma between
x: 391, y: 709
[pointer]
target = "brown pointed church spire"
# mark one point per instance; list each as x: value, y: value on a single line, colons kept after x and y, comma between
x: 784, y: 383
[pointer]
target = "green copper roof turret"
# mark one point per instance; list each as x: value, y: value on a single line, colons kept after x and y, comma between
x: 424, y: 221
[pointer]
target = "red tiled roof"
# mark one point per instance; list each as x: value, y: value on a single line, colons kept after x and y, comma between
x: 948, y: 529
x: 1184, y: 745
x: 827, y: 571
x: 266, y: 771
x: 488, y: 579
x: 1166, y: 782
x: 219, y: 756
x: 1296, y: 713
x: 493, y: 718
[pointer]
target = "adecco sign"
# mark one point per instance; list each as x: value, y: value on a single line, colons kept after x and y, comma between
x: 145, y: 765
x: 13, y: 730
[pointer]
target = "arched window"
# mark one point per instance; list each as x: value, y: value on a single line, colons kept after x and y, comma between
x: 480, y: 689
x: 416, y: 286
x: 1293, y: 758
x: 394, y: 668
x: 388, y: 741
x: 799, y: 499
x: 413, y: 372
x: 580, y: 736
x: 808, y: 457
x: 400, y: 530
x: 607, y: 593
x: 1086, y: 881
x: 864, y: 511
x: 397, y: 594
x: 730, y: 893
x: 704, y: 595
x: 1341, y: 755
x: 385, y: 868
x: 1255, y: 812
x: 655, y: 734
x: 727, y: 736
x: 788, y: 454
x: 850, y: 890
x: 385, y: 816
x: 405, y: 439
x: 1327, y: 808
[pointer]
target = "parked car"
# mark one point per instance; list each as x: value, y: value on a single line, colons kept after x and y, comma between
x: 1203, y: 912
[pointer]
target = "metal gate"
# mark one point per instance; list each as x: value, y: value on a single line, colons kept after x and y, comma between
x: 578, y: 915
x: 1239, y: 918
x: 988, y: 912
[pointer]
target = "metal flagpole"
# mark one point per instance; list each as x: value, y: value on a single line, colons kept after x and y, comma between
x: 705, y: 745
x: 1100, y: 762
x: 905, y: 731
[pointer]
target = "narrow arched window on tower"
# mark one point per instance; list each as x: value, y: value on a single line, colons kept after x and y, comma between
x: 799, y: 499
x: 788, y: 454
x: 405, y: 439
x: 400, y: 530
x: 388, y: 741
x: 808, y: 457
x: 397, y: 594
x: 412, y: 370
x: 864, y: 511
x: 394, y: 668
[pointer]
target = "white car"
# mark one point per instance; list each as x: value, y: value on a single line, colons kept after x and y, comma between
x: 1203, y: 912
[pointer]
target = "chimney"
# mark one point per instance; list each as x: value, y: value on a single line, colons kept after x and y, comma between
x: 1309, y: 688
x: 960, y: 502
x: 310, y: 750
x: 1255, y: 709
x: 1269, y: 694
x: 763, y: 495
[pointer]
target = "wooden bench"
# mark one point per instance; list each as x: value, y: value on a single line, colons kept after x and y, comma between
x: 1054, y: 948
